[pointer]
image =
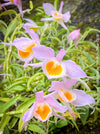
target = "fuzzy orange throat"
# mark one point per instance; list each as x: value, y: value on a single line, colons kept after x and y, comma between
x: 53, y: 69
x: 43, y: 111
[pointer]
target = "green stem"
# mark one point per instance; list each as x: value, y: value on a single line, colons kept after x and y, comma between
x: 12, y: 113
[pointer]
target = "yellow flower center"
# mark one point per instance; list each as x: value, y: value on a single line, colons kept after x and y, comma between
x: 29, y: 48
x: 26, y: 54
x: 43, y: 110
x: 58, y: 16
x: 53, y: 68
x: 23, y: 54
x: 11, y: 1
x: 67, y: 95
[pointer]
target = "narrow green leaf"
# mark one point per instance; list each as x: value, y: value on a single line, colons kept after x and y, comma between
x: 11, y: 102
x: 4, y: 121
x: 9, y: 11
x: 36, y: 128
x: 62, y: 123
x: 12, y: 26
x: 26, y: 103
x: 13, y: 122
x: 84, y: 113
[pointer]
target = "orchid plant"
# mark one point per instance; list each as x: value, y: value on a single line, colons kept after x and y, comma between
x: 46, y: 72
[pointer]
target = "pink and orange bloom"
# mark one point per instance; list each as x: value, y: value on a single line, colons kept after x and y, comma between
x: 56, y: 15
x: 30, y: 25
x: 24, y: 46
x: 64, y: 92
x: 18, y: 3
x: 43, y: 108
x: 53, y: 66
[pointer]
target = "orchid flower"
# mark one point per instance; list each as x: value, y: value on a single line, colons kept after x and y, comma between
x: 75, y: 36
x: 63, y: 91
x: 43, y: 108
x: 18, y: 3
x: 56, y: 15
x: 54, y: 67
x: 31, y: 25
x: 24, y: 46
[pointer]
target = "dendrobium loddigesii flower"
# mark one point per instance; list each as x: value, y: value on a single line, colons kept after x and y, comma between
x: 53, y: 66
x: 43, y: 108
x: 64, y: 92
x: 18, y: 3
x: 30, y: 24
x: 24, y: 46
x: 75, y: 36
x: 56, y: 15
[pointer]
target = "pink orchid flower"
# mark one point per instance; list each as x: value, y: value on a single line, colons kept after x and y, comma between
x: 75, y: 36
x: 64, y: 92
x: 43, y: 108
x: 56, y: 15
x: 18, y: 3
x: 24, y: 46
x: 53, y: 66
x: 31, y: 25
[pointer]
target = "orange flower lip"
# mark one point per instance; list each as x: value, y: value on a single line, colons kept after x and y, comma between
x: 68, y: 95
x: 29, y: 48
x: 11, y: 1
x: 57, y: 16
x: 23, y: 54
x: 53, y: 68
x: 43, y: 110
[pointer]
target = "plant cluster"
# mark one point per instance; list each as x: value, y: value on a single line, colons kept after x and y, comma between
x: 50, y: 72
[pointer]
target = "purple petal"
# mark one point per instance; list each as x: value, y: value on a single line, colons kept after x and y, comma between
x: 39, y: 97
x: 73, y: 70
x: 68, y: 83
x: 29, y: 114
x: 60, y: 55
x: 57, y: 106
x: 42, y: 52
x: 63, y: 25
x: 30, y: 21
x: 74, y: 34
x: 22, y: 43
x: 48, y: 8
x: 61, y: 6
x: 6, y: 4
x: 82, y: 98
x: 66, y: 16
x: 8, y: 44
x: 55, y: 85
x: 32, y: 34
x: 47, y: 19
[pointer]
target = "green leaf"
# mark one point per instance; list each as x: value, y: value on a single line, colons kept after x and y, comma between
x: 90, y: 30
x: 61, y: 123
x: 11, y: 102
x: 13, y: 122
x: 89, y: 57
x: 36, y: 128
x: 26, y: 103
x: 12, y: 26
x: 88, y: 43
x: 2, y: 60
x: 3, y: 29
x: 56, y: 4
x: 4, y: 121
x: 8, y: 11
x: 17, y: 88
x: 84, y: 113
